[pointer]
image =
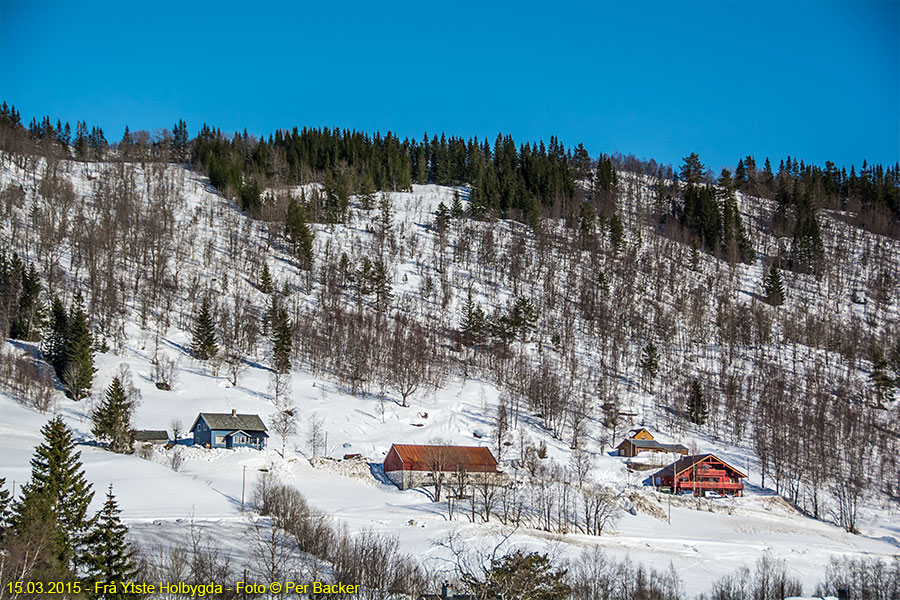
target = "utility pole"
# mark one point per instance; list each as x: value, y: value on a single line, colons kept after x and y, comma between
x: 243, y: 485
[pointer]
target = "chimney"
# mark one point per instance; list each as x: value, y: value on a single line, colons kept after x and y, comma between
x: 233, y: 412
x: 842, y: 594
x: 445, y: 590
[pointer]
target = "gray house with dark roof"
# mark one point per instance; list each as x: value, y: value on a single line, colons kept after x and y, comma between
x: 229, y: 430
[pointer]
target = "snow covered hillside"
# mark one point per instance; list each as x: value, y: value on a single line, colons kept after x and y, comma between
x: 143, y: 245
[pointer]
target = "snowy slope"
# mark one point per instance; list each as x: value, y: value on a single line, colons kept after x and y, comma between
x: 159, y: 502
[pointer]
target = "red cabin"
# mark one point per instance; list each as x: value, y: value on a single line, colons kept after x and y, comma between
x: 700, y: 473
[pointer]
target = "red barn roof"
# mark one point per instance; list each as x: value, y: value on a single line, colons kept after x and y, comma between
x: 420, y: 457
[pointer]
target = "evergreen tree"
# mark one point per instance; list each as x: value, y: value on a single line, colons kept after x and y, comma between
x: 112, y: 419
x: 56, y: 341
x: 773, y: 287
x: 265, y: 279
x: 281, y: 341
x: 616, y: 232
x: 57, y: 495
x: 380, y: 283
x: 524, y: 577
x: 299, y: 234
x: 442, y: 218
x: 5, y: 503
x: 109, y: 557
x: 79, y: 370
x: 698, y: 407
x: 29, y: 314
x: 473, y: 322
x: 204, y: 344
x: 523, y: 317
x: 650, y: 362
x: 456, y: 207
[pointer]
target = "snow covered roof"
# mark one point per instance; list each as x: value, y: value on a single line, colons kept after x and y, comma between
x: 654, y: 444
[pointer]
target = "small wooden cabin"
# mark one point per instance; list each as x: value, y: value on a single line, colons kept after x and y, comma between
x: 409, y: 465
x: 700, y: 473
x: 151, y: 436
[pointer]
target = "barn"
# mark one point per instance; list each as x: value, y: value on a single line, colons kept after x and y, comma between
x: 411, y: 465
x: 700, y: 473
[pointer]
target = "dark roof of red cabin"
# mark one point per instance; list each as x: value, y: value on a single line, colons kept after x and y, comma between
x: 685, y: 463
x: 421, y: 456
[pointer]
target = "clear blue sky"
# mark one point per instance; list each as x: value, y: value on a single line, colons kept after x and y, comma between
x: 814, y: 79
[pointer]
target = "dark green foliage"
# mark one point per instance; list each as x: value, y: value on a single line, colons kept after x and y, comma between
x: 506, y: 179
x: 337, y: 196
x: 281, y: 341
x: 650, y: 362
x: 473, y: 323
x: 616, y: 233
x: 883, y: 384
x: 299, y: 234
x: 250, y: 197
x: 112, y: 419
x: 21, y: 311
x: 523, y: 576
x: 265, y: 279
x: 56, y: 339
x: 807, y: 249
x: 773, y: 286
x: 5, y: 503
x: 381, y: 285
x: 79, y: 369
x: 523, y: 317
x: 57, y: 495
x: 441, y: 218
x: 204, y: 344
x: 109, y: 557
x: 366, y: 193
x: 456, y: 207
x: 698, y: 406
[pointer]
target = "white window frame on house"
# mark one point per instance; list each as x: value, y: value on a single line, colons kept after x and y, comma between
x: 219, y: 439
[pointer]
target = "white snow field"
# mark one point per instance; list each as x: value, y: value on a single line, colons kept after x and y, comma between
x: 705, y: 539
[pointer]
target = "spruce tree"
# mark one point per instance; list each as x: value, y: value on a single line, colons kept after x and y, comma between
x: 204, y: 344
x: 441, y: 218
x: 265, y: 279
x: 281, y: 341
x: 5, y: 502
x: 112, y: 419
x: 650, y: 362
x: 523, y: 317
x: 56, y: 339
x: 299, y: 234
x: 698, y: 408
x: 616, y: 232
x: 109, y: 557
x: 456, y: 207
x: 57, y: 495
x: 773, y: 287
x: 473, y: 322
x: 79, y: 371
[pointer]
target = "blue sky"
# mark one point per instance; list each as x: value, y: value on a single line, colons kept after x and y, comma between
x: 814, y: 79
